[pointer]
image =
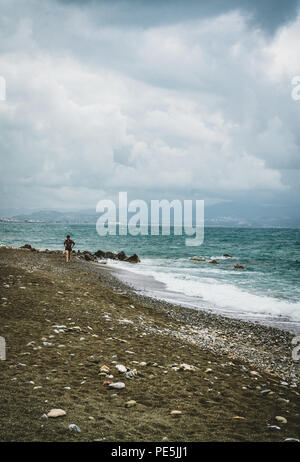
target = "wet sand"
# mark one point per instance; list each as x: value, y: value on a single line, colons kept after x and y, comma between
x: 229, y: 379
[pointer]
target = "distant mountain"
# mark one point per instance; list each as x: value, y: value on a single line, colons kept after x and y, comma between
x: 226, y: 214
x: 53, y: 216
x: 253, y: 215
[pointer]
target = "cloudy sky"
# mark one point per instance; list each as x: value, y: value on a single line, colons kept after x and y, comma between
x: 163, y: 99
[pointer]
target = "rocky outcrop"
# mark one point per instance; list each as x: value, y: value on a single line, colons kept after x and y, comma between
x: 214, y: 262
x: 197, y: 259
x: 111, y: 255
x: 28, y: 247
x: 86, y: 255
x: 227, y: 255
x: 133, y: 259
x: 121, y: 256
x: 100, y: 254
x: 239, y: 266
x: 89, y: 256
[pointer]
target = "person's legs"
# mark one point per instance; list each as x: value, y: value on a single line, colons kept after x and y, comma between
x: 67, y: 255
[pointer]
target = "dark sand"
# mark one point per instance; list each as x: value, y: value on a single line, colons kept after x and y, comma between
x: 221, y: 400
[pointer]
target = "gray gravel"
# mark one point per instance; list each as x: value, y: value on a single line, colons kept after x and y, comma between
x: 261, y: 347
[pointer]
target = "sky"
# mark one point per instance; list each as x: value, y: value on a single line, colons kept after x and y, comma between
x: 162, y: 99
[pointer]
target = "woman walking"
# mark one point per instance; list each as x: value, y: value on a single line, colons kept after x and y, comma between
x: 69, y: 244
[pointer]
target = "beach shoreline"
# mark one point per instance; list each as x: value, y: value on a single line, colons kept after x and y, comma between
x: 238, y: 368
x: 151, y: 288
x: 238, y: 338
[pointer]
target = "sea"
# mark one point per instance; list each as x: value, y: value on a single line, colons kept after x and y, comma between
x: 267, y: 291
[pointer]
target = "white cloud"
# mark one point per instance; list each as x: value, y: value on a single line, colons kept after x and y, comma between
x: 284, y: 52
x: 188, y: 107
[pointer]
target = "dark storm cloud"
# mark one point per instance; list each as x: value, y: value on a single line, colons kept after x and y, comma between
x: 267, y: 14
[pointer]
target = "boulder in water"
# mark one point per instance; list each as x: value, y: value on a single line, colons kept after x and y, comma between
x: 133, y: 259
x: 100, y: 254
x: 121, y: 256
x: 110, y: 255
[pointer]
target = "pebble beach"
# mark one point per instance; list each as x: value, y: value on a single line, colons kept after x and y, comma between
x: 89, y: 359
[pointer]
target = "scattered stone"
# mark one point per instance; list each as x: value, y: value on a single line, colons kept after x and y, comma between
x: 131, y: 374
x: 125, y: 321
x: 56, y: 413
x: 256, y: 374
x: 130, y: 403
x: 283, y: 400
x: 102, y: 374
x: 176, y: 413
x: 106, y: 383
x: 74, y: 428
x: 281, y: 419
x: 121, y: 368
x: 117, y: 385
x: 105, y: 369
x: 187, y: 367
